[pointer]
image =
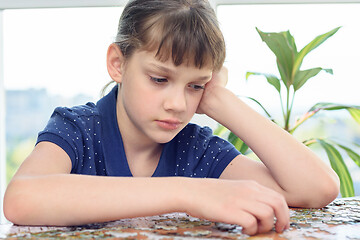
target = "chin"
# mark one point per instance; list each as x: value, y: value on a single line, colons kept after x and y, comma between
x: 165, y: 138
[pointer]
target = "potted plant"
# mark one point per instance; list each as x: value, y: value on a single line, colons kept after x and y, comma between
x: 292, y: 78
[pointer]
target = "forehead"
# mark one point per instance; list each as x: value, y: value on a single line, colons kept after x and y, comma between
x: 150, y: 60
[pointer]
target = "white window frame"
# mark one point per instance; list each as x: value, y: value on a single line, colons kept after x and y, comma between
x: 21, y: 4
x: 2, y: 124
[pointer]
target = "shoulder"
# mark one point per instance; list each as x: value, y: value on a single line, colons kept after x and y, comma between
x: 73, y: 122
x: 80, y: 116
x: 76, y: 130
x: 88, y: 110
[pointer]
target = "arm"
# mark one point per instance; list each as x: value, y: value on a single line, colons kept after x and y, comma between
x: 288, y: 166
x: 44, y: 193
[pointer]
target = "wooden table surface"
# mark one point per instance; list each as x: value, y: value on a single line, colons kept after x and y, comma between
x: 339, y: 220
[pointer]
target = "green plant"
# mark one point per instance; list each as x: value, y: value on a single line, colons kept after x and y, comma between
x: 16, y: 154
x: 289, y: 61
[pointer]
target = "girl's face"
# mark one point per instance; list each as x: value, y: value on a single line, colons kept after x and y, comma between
x: 157, y: 99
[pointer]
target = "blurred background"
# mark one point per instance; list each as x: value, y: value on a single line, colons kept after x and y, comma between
x: 56, y: 57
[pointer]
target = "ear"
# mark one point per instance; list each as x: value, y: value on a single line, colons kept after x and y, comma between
x: 115, y: 62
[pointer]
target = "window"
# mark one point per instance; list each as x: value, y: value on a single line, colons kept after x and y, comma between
x: 52, y: 57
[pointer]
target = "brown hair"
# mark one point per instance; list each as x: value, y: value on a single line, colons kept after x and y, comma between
x: 185, y: 30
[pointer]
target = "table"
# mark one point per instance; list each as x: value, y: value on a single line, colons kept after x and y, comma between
x: 339, y: 220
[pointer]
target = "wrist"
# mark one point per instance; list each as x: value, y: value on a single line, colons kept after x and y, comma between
x: 195, y: 195
x: 187, y: 194
x: 184, y: 193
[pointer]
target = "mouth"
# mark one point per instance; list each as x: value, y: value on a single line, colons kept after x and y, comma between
x: 169, y: 124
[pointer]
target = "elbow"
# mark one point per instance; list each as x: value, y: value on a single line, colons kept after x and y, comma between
x: 318, y: 195
x: 16, y: 206
x: 323, y: 193
x: 11, y: 210
x: 326, y: 195
x: 328, y: 189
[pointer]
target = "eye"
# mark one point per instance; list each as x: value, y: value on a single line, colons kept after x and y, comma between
x: 158, y: 80
x: 197, y: 87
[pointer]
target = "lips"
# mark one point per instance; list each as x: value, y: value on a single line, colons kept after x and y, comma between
x: 169, y: 124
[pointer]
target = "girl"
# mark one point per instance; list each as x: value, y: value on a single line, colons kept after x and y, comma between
x: 134, y: 153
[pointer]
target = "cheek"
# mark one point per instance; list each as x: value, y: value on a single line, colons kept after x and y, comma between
x: 141, y: 100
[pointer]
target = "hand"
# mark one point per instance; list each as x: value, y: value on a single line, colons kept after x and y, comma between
x: 241, y: 202
x: 219, y: 79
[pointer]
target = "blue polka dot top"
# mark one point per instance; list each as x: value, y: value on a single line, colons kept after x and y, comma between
x: 90, y: 135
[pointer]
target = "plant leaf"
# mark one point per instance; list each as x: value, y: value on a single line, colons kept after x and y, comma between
x: 337, y: 163
x: 220, y: 130
x: 272, y: 79
x: 353, y: 155
x: 263, y: 108
x: 353, y: 109
x: 309, y: 142
x: 301, y: 120
x: 355, y: 113
x: 238, y: 143
x: 301, y: 77
x: 309, y: 47
x: 282, y: 44
x: 333, y: 106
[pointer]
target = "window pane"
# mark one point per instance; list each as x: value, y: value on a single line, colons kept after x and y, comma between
x: 246, y: 52
x: 52, y: 57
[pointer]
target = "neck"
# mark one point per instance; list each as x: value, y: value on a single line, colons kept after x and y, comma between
x: 142, y: 153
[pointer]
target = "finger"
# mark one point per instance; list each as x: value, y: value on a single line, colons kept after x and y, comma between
x: 224, y: 76
x: 265, y: 216
x: 248, y: 223
x: 220, y: 77
x: 283, y: 223
x: 282, y: 215
x: 281, y: 210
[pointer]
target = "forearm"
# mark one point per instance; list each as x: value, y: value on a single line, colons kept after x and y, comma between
x: 68, y: 199
x: 295, y: 168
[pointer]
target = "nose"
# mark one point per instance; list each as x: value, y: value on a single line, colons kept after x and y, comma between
x: 175, y: 100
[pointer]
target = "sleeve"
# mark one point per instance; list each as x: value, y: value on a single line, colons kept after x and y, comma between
x: 65, y: 129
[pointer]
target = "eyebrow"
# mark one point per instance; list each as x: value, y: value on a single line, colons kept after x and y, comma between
x: 162, y: 68
x: 170, y: 71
